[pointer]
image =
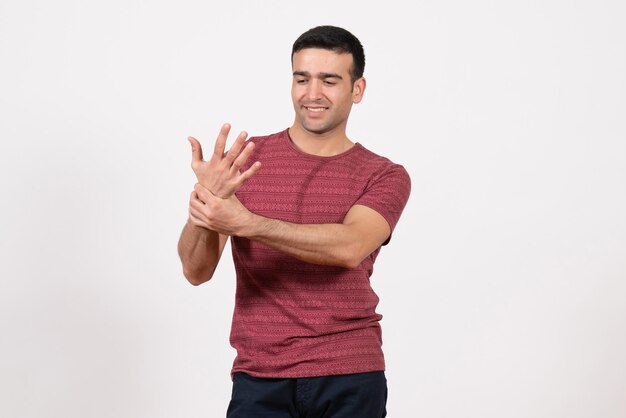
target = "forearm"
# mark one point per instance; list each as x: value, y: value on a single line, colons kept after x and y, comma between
x: 327, y: 244
x: 199, y: 250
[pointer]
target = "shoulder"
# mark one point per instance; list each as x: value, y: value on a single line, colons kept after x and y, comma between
x: 379, y: 166
x: 388, y: 186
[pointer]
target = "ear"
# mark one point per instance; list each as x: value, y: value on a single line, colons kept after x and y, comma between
x: 358, y: 88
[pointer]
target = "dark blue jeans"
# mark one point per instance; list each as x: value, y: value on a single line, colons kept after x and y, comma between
x: 362, y: 395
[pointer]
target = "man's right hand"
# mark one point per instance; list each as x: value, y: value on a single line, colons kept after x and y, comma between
x: 221, y: 174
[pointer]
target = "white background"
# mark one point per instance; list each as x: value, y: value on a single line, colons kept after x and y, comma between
x: 504, y: 288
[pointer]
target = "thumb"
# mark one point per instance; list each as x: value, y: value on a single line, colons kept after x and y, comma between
x: 196, y: 149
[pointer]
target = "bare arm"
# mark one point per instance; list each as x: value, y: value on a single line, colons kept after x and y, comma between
x: 343, y: 244
x: 200, y: 251
x: 200, y: 247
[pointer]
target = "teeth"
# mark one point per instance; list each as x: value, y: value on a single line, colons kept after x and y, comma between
x: 315, y: 109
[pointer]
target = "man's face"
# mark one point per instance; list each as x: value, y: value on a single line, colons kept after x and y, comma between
x: 322, y: 90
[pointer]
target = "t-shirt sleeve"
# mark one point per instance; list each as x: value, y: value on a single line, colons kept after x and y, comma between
x: 388, y: 194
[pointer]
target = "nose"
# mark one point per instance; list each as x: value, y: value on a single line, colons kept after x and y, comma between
x: 314, y: 90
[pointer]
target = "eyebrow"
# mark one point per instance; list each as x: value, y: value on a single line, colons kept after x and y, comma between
x: 319, y: 75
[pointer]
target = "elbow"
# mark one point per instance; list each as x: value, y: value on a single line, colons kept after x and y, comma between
x: 195, y: 281
x: 354, y: 262
x: 351, y: 258
x: 196, y: 278
x: 350, y: 263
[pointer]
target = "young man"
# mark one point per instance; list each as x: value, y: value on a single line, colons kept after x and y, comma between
x: 307, y: 211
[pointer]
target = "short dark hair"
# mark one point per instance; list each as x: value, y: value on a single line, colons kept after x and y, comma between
x: 335, y: 39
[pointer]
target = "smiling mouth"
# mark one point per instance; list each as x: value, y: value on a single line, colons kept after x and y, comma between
x: 315, y: 109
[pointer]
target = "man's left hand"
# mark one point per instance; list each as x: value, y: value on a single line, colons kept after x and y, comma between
x: 221, y: 174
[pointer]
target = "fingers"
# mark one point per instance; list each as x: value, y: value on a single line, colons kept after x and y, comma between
x: 194, y: 215
x: 197, y: 211
x: 220, y: 145
x: 196, y: 149
x: 196, y: 208
x: 196, y: 221
x: 194, y: 197
x: 195, y: 204
x: 201, y: 193
x: 221, y: 175
x: 240, y: 178
x: 242, y: 158
x: 220, y: 142
x: 254, y: 168
x: 233, y: 152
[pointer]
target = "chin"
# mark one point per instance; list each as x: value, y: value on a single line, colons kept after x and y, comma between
x: 316, y: 128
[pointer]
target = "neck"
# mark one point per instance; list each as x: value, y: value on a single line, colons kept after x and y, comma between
x: 325, y: 144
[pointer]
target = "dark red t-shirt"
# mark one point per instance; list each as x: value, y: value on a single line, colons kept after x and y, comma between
x: 296, y: 319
